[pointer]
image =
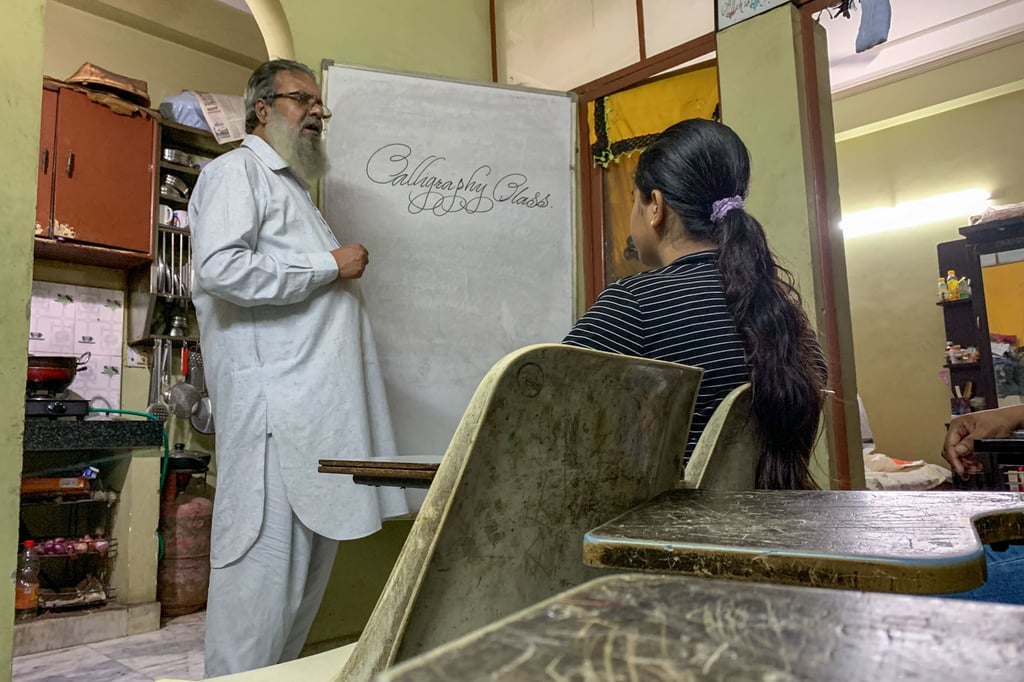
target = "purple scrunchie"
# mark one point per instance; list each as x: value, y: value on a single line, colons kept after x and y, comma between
x: 723, y: 206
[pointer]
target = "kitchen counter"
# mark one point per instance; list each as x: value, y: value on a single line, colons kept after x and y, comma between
x: 49, y: 435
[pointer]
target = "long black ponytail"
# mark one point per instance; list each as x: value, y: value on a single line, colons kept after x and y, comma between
x: 702, y: 167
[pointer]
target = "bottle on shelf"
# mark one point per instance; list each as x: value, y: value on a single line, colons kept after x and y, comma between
x: 26, y: 584
x: 943, y: 291
x: 952, y: 285
x: 964, y: 287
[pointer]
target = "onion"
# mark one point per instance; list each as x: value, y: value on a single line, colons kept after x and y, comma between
x: 81, y: 546
x: 101, y: 546
x: 59, y: 548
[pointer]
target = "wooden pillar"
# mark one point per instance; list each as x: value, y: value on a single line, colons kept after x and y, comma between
x: 773, y: 72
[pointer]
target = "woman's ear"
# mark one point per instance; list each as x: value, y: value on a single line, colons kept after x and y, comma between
x: 655, y: 211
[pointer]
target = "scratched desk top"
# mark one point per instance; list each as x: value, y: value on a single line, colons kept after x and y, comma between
x: 658, y: 627
x: 888, y: 541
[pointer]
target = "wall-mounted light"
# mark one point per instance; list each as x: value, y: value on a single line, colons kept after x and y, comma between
x: 912, y: 213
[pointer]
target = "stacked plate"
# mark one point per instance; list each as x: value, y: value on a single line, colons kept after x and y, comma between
x: 177, y: 156
x: 173, y: 187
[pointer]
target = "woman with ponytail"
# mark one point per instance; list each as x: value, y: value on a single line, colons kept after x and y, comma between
x: 716, y: 298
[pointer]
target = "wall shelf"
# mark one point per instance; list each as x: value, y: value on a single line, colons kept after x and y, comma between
x: 178, y: 168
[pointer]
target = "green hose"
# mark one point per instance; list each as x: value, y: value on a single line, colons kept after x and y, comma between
x: 147, y: 415
x: 163, y: 462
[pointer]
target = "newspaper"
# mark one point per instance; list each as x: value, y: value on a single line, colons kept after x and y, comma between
x: 224, y: 114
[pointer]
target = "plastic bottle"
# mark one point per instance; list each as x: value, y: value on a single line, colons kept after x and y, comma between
x: 952, y: 285
x: 964, y: 286
x: 943, y: 291
x: 26, y: 584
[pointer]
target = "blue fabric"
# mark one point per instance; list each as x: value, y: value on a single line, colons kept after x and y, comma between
x: 875, y: 17
x: 184, y: 108
x: 1005, y: 583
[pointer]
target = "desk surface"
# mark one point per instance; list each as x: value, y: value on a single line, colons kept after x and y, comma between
x: 887, y: 541
x: 649, y: 627
x: 398, y: 473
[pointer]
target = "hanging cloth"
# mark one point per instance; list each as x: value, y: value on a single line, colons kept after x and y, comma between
x: 626, y: 122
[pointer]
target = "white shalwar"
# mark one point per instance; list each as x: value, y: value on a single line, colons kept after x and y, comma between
x: 294, y: 378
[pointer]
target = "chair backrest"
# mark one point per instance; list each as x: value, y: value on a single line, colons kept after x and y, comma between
x: 555, y: 441
x: 725, y: 456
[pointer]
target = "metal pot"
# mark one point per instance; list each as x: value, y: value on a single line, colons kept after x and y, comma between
x: 54, y: 373
x: 191, y: 460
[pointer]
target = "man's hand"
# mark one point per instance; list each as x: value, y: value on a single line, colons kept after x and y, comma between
x: 351, y: 260
x: 958, y: 449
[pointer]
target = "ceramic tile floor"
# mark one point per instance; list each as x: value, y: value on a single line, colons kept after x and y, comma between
x: 175, y: 650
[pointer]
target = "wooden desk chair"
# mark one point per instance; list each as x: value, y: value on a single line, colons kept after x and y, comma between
x: 555, y: 441
x: 726, y: 454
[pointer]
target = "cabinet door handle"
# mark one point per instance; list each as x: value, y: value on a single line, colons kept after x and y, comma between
x: 44, y: 162
x: 70, y: 168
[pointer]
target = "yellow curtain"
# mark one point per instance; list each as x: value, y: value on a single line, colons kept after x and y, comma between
x: 625, y: 123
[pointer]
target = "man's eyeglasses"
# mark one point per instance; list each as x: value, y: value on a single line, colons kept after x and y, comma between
x: 304, y: 99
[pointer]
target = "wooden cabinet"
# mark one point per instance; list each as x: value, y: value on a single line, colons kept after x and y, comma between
x: 44, y: 188
x: 96, y: 186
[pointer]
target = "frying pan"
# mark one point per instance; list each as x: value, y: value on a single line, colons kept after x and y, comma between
x: 54, y: 373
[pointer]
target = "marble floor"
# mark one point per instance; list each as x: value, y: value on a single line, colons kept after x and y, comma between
x: 175, y: 650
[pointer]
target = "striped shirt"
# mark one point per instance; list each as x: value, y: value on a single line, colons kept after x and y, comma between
x: 675, y: 313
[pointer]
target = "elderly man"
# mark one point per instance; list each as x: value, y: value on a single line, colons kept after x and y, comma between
x: 293, y: 377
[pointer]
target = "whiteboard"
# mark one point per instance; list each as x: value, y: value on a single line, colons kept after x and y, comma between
x: 465, y: 197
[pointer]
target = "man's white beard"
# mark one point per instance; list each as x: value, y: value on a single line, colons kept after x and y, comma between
x: 303, y: 152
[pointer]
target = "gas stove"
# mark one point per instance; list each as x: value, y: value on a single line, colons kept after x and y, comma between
x: 54, y: 405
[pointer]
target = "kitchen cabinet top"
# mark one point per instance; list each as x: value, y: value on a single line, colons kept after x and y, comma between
x: 50, y: 435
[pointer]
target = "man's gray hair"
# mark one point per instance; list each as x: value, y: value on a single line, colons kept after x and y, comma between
x: 263, y: 84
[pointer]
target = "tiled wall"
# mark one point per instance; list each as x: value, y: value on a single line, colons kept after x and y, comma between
x: 72, y: 320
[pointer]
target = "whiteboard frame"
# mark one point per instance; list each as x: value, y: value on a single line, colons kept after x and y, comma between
x: 574, y: 163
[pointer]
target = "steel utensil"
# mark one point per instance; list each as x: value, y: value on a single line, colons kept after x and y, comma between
x: 202, y: 413
x: 177, y: 156
x: 157, y: 407
x: 183, y: 396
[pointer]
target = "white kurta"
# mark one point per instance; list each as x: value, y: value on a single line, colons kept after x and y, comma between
x: 288, y: 351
